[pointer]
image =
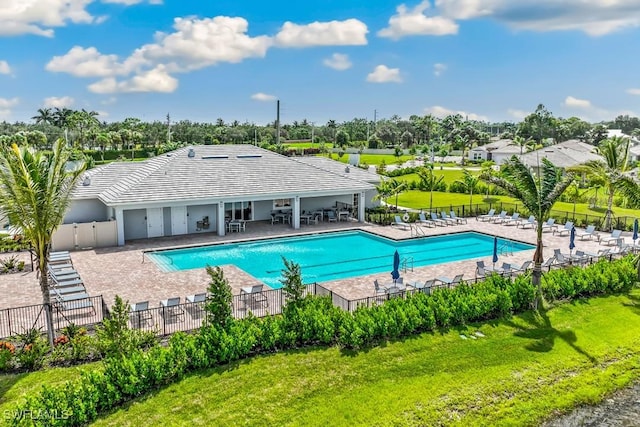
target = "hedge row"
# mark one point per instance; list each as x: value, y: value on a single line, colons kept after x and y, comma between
x: 313, y: 322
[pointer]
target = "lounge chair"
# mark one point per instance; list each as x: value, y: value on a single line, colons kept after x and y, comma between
x: 550, y: 262
x: 550, y: 225
x: 140, y: 311
x: 514, y: 220
x: 399, y: 223
x: 196, y: 298
x: 566, y: 229
x: 422, y: 219
x: 449, y: 282
x: 616, y: 238
x: 601, y: 253
x: 68, y: 290
x: 499, y: 218
x: 589, y: 232
x: 251, y: 294
x: 457, y: 219
x: 425, y: 286
x: 438, y: 221
x: 446, y: 218
x: 66, y: 282
x: 487, y: 216
x: 172, y: 309
x: 523, y: 268
x: 73, y: 301
x: 483, y: 271
x: 531, y: 221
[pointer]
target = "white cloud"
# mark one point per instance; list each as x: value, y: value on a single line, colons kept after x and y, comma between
x: 155, y: 80
x: 384, y: 74
x: 517, y: 114
x: 438, y: 69
x: 349, y: 32
x: 39, y: 17
x: 442, y: 112
x: 263, y: 97
x: 412, y: 22
x: 58, y: 102
x: 572, y: 102
x: 594, y: 17
x: 5, y: 107
x: 109, y: 101
x: 633, y: 91
x: 198, y: 43
x: 81, y: 62
x: 4, y: 67
x: 338, y: 61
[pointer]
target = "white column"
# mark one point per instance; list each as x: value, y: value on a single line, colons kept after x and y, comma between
x: 361, y: 206
x: 221, y: 225
x: 296, y: 213
x: 120, y: 226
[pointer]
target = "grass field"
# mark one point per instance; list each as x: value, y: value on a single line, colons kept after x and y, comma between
x: 416, y: 199
x: 573, y: 354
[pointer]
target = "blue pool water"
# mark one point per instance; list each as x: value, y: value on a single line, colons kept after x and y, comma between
x: 331, y: 256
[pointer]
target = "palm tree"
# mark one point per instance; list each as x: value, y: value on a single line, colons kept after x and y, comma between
x: 470, y: 183
x: 615, y: 152
x: 396, y: 188
x: 34, y: 193
x: 428, y: 181
x: 538, y: 194
x: 44, y: 116
x: 383, y: 192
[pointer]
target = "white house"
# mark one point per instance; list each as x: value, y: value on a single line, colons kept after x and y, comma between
x: 498, y: 151
x: 195, y: 189
x: 565, y: 154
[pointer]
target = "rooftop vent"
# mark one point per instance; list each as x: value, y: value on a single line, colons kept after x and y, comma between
x: 347, y: 169
x: 216, y: 156
x: 248, y: 156
x: 86, y: 181
x: 192, y: 153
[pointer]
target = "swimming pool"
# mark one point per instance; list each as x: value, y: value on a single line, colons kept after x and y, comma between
x: 331, y: 256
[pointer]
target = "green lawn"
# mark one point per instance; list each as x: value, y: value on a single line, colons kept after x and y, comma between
x: 450, y: 175
x: 416, y: 199
x: 327, y: 145
x: 523, y: 371
x: 374, y: 159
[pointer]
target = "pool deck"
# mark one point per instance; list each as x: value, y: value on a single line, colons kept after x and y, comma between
x: 124, y: 271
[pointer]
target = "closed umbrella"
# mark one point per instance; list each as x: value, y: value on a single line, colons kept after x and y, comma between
x: 495, y: 251
x: 572, y: 239
x: 635, y: 231
x: 395, y: 274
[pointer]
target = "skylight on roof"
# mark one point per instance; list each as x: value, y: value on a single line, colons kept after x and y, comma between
x: 216, y: 156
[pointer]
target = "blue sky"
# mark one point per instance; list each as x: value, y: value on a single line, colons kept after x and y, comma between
x: 199, y: 60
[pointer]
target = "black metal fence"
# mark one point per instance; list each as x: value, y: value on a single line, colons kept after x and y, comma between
x: 473, y: 210
x: 18, y: 320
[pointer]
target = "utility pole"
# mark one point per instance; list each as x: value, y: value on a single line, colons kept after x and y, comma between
x: 375, y: 117
x: 168, y: 129
x: 313, y: 128
x: 278, y: 122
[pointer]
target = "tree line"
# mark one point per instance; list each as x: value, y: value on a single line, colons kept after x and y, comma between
x: 83, y: 129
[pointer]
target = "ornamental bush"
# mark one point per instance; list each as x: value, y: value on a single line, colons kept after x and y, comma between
x: 137, y: 372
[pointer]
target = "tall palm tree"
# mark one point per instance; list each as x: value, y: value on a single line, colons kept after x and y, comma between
x: 34, y: 194
x: 428, y: 181
x: 470, y: 183
x: 615, y: 152
x: 44, y: 116
x: 396, y: 188
x: 538, y: 194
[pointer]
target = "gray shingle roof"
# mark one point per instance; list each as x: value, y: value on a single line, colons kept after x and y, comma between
x: 215, y: 172
x: 339, y: 168
x: 566, y: 154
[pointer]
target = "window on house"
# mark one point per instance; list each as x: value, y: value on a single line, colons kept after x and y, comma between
x: 282, y: 203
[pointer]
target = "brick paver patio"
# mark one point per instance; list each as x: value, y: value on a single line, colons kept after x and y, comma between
x: 124, y: 271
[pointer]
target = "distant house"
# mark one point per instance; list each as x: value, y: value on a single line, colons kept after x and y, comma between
x: 196, y: 189
x: 497, y: 151
x: 565, y: 154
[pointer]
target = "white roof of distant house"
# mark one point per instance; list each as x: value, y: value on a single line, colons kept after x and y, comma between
x: 339, y: 168
x: 498, y: 146
x: 223, y: 172
x: 565, y: 154
x: 615, y: 132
